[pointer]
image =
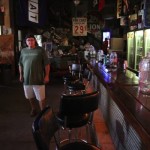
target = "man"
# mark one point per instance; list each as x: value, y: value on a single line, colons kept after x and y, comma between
x: 105, y: 46
x: 34, y: 71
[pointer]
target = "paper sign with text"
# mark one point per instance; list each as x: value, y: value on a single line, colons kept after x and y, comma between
x: 79, y: 26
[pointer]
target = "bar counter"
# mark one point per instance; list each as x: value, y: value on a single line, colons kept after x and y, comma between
x: 125, y: 110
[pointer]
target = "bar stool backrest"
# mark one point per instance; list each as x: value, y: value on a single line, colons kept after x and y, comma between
x: 76, y: 68
x: 78, y: 104
x: 43, y: 128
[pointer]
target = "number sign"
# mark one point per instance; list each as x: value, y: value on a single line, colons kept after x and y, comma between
x: 79, y: 26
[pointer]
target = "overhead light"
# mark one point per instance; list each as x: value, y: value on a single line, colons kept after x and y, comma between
x: 76, y: 2
x: 2, y: 9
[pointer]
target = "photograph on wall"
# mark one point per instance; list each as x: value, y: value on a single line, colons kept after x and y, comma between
x: 48, y: 47
x: 6, y: 49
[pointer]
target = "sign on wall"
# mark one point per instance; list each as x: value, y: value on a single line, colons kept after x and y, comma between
x: 133, y: 22
x: 79, y: 26
x: 33, y: 11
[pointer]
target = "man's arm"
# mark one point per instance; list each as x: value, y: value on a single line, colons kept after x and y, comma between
x: 20, y: 73
x: 47, y: 72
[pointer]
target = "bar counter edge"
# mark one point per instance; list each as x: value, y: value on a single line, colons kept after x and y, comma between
x: 125, y: 110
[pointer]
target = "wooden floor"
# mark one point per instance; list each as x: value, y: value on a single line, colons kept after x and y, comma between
x: 102, y: 132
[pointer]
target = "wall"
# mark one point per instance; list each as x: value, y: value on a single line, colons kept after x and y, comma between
x: 5, y: 4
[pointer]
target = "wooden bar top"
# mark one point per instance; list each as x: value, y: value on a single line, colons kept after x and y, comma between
x: 123, y: 88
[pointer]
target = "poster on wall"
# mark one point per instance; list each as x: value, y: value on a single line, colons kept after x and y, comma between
x: 123, y: 21
x: 133, y: 22
x: 119, y: 8
x: 95, y: 24
x: 7, y: 49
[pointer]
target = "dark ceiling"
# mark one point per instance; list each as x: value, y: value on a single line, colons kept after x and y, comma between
x: 60, y: 12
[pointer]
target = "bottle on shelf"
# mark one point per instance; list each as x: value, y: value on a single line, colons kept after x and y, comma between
x: 113, y: 59
x: 107, y: 60
x: 100, y: 56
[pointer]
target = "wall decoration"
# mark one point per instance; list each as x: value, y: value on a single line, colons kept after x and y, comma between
x: 7, y: 49
x: 79, y: 26
x: 48, y: 47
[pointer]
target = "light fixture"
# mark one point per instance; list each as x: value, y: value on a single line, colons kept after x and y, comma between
x: 2, y: 9
x: 76, y: 2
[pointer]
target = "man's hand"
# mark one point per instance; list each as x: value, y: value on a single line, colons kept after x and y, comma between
x: 46, y: 79
x: 21, y: 78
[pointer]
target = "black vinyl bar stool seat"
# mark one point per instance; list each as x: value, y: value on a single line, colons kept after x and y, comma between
x: 79, y: 146
x: 75, y: 110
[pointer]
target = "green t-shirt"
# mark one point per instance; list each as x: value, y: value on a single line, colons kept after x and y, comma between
x: 33, y: 62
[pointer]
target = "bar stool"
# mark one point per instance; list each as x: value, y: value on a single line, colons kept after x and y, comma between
x: 75, y: 73
x: 76, y: 111
x: 44, y: 128
x: 80, y: 85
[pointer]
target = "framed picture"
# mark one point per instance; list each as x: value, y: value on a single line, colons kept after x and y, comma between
x: 48, y: 47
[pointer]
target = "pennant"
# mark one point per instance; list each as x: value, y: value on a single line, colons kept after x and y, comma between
x: 101, y: 5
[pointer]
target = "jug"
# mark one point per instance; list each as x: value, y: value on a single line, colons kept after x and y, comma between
x: 113, y: 59
x: 100, y: 56
x: 92, y: 51
x: 144, y: 74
